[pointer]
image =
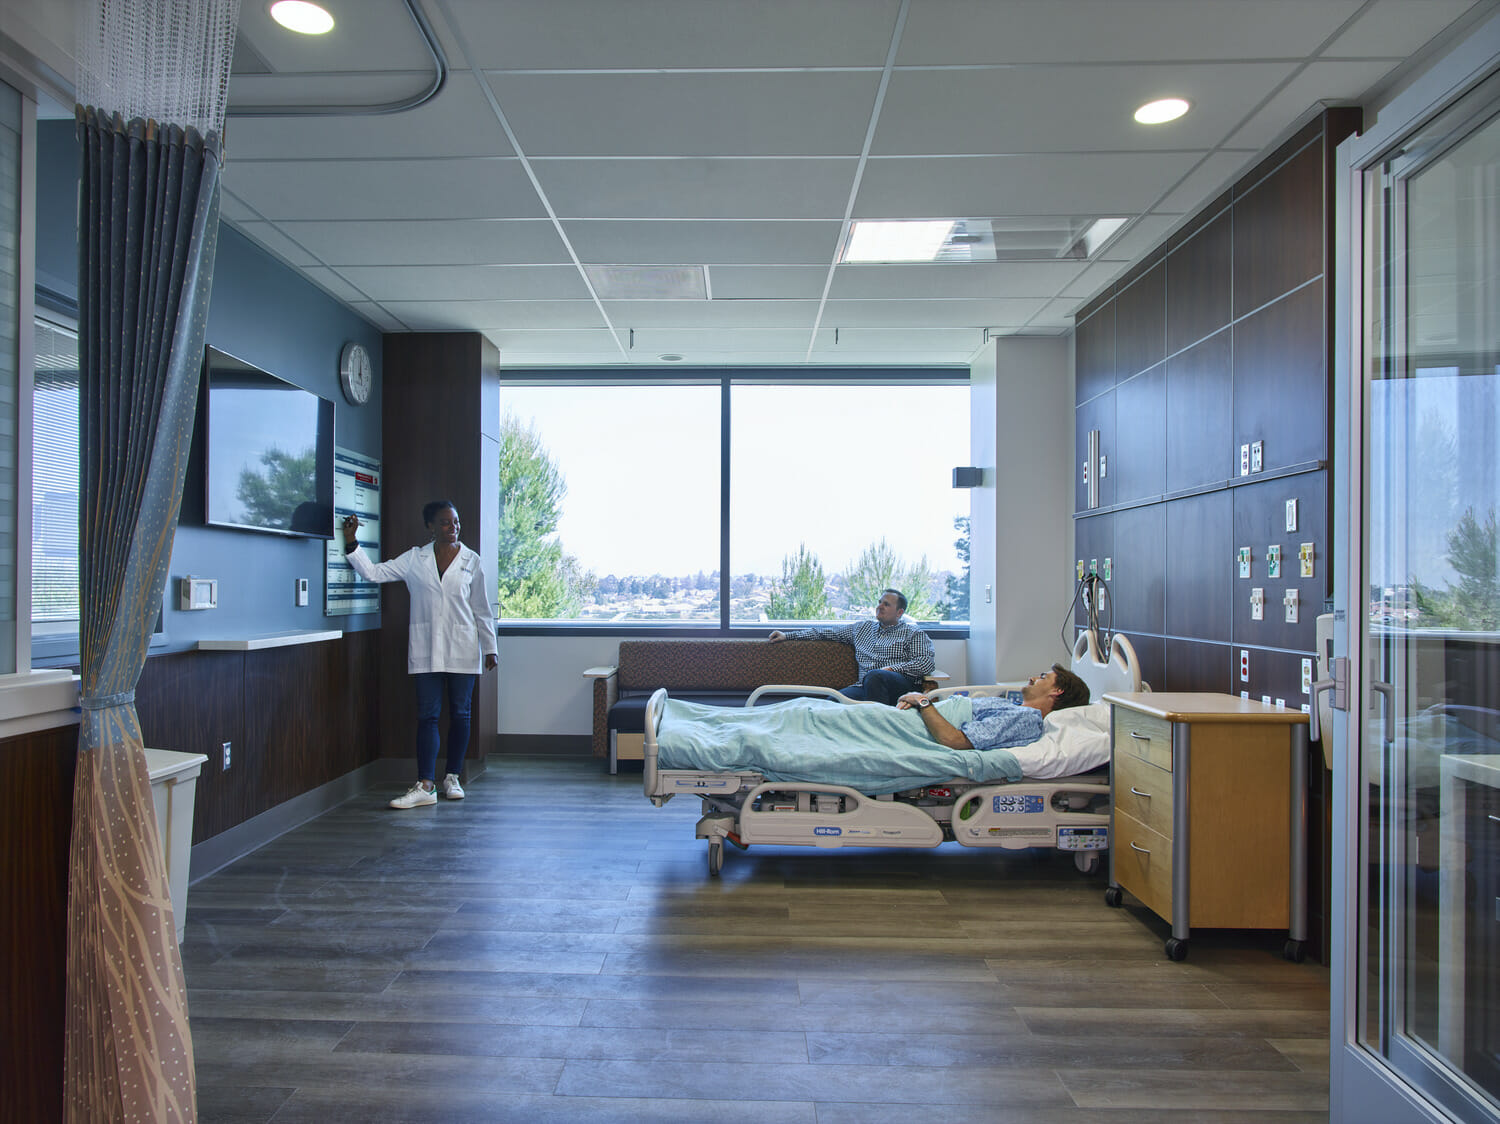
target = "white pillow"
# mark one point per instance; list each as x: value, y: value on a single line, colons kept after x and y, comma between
x: 1093, y: 716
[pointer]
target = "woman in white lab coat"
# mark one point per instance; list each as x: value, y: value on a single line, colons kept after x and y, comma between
x: 451, y: 637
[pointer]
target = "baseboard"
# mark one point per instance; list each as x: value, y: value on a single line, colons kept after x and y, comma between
x: 544, y: 745
x: 214, y: 854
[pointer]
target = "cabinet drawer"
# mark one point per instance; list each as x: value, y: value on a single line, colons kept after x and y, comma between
x: 1143, y: 863
x: 1144, y: 792
x: 1143, y: 736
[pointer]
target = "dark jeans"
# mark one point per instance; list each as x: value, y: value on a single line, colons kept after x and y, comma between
x: 882, y: 686
x: 431, y: 687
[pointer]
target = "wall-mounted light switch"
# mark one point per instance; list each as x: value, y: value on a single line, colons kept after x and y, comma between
x: 301, y: 592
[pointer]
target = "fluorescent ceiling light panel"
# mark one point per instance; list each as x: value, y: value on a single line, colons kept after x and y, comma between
x: 1161, y: 111
x: 301, y: 17
x: 906, y: 240
x: 1099, y: 232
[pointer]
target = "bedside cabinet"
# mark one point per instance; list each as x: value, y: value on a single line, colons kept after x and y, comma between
x: 1209, y: 796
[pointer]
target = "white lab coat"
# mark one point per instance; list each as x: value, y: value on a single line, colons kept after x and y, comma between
x: 452, y: 626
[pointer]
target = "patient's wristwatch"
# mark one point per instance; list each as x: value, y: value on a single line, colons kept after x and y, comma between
x: 923, y: 704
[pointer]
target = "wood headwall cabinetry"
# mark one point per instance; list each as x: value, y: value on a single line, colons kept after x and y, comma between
x: 1220, y: 337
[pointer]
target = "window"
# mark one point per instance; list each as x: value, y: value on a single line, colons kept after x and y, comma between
x: 54, y: 484
x: 628, y: 503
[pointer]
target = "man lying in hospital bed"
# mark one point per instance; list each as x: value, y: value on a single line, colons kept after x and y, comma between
x: 831, y: 774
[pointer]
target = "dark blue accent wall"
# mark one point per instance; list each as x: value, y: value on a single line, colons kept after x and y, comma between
x: 266, y: 314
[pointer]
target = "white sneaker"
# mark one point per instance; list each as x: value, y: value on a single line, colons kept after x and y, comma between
x: 415, y: 797
x: 451, y: 788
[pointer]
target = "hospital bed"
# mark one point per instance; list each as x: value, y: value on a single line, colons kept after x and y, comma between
x: 744, y: 806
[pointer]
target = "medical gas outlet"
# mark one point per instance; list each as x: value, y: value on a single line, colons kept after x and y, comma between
x: 1289, y: 603
x: 1257, y: 604
x: 1244, y: 559
x: 1305, y: 559
x: 1273, y: 561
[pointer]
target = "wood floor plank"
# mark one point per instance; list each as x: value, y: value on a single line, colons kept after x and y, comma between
x: 488, y: 961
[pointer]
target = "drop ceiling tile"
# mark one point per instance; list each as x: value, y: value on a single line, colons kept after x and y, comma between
x: 928, y: 314
x: 490, y: 316
x: 527, y: 347
x: 1055, y: 316
x: 910, y: 344
x: 369, y: 37
x: 384, y: 189
x: 697, y: 188
x: 711, y: 314
x: 468, y: 282
x: 1057, y: 184
x: 724, y: 114
x: 272, y: 239
x: 1061, y: 109
x: 693, y: 343
x: 379, y: 316
x: 704, y: 243
x: 1094, y: 281
x: 984, y: 280
x: 458, y: 122
x: 329, y: 281
x: 667, y: 34
x: 1330, y: 82
x: 1214, y: 173
x: 1396, y: 28
x: 1136, y: 240
x: 982, y: 32
x: 431, y: 242
x: 742, y: 282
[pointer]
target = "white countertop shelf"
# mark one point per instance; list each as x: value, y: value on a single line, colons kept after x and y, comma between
x: 269, y: 640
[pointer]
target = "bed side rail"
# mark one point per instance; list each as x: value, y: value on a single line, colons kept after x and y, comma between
x: 797, y: 689
x: 656, y: 705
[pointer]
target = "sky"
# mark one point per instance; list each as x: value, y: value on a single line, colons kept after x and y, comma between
x: 834, y: 467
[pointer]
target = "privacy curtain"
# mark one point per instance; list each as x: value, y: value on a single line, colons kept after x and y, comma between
x: 148, y: 226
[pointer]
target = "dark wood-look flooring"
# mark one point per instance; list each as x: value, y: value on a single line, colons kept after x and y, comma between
x: 551, y: 949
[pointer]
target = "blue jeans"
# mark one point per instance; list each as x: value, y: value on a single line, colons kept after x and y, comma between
x: 882, y: 686
x: 431, y: 686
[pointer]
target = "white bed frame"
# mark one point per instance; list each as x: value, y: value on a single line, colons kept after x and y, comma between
x: 744, y: 808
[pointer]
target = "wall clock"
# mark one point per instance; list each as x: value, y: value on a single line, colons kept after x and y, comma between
x: 356, y: 375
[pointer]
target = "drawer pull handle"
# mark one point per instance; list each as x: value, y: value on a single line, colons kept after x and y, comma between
x: 1142, y: 850
x: 1140, y: 737
x: 1138, y: 792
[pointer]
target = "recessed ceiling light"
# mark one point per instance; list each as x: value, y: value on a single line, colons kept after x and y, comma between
x: 906, y: 240
x: 1097, y: 233
x: 670, y: 357
x: 1161, y: 111
x: 301, y: 17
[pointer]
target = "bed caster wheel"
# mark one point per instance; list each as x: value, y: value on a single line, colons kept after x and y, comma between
x: 1086, y: 861
x: 715, y: 857
x: 1295, y: 951
x: 1113, y: 896
x: 1176, y: 949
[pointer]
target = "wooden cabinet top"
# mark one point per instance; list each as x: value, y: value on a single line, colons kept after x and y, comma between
x: 1203, y: 706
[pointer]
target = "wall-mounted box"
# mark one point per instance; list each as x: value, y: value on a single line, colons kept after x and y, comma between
x: 199, y: 593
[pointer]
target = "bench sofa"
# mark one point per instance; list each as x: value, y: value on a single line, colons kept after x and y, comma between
x: 711, y: 670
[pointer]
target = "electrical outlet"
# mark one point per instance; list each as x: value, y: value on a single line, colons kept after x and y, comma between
x: 1266, y: 699
x: 1307, y: 677
x: 1244, y: 460
x: 1257, y: 456
x: 1291, y: 515
x: 227, y: 746
x: 1245, y: 561
x: 1273, y: 561
x: 1305, y: 554
x: 1281, y: 704
x: 1244, y: 665
x: 1257, y: 604
x: 1290, y: 603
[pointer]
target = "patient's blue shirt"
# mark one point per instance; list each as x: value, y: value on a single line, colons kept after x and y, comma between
x: 998, y: 724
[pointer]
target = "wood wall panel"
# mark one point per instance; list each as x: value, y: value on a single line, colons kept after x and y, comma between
x: 1097, y: 413
x: 1093, y: 542
x: 1198, y: 285
x: 1199, y: 556
x: 1138, y: 580
x: 1281, y: 379
x: 1140, y: 323
x: 1094, y: 354
x: 36, y: 816
x: 1200, y: 415
x: 1279, y: 230
x: 1135, y: 467
x: 1195, y: 666
x: 1260, y: 523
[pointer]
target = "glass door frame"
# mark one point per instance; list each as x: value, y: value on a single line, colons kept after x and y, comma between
x: 1363, y: 1084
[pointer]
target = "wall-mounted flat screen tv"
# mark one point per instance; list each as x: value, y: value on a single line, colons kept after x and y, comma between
x: 268, y: 453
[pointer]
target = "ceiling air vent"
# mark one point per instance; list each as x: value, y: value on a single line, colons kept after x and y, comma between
x: 648, y: 282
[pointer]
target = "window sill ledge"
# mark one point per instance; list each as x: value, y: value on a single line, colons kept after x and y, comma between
x: 39, y: 700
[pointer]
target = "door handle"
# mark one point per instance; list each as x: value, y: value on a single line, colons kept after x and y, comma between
x: 1387, y: 691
